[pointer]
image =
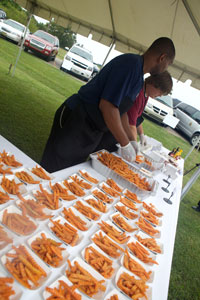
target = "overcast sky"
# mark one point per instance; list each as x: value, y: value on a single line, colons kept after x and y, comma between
x: 182, y: 91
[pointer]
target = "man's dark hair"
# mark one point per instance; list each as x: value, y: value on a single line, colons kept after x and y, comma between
x: 163, y: 45
x: 162, y: 81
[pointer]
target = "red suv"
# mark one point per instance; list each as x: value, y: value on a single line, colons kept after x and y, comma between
x: 43, y: 44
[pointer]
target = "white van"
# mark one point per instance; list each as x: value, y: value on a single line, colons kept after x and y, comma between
x: 159, y: 107
x: 78, y: 61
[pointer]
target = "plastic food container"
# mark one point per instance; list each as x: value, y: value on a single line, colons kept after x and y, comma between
x: 145, y: 236
x: 89, y: 185
x: 81, y: 216
x: 150, y: 254
x: 94, y: 273
x: 106, y: 207
x: 124, y: 270
x: 22, y: 188
x: 63, y: 221
x: 105, y: 171
x: 115, y: 265
x: 147, y: 268
x: 128, y: 222
x: 48, y: 236
x: 55, y: 284
x: 47, y: 173
x: 14, y: 209
x: 15, y: 288
x: 119, y: 251
x: 104, y: 186
x: 119, y: 204
x: 34, y: 177
x: 120, y: 232
x: 37, y: 260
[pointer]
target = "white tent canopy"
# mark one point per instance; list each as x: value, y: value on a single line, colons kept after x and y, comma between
x: 132, y: 25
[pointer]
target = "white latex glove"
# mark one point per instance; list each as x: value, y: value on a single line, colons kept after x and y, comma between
x: 143, y: 140
x: 135, y: 146
x: 128, y: 152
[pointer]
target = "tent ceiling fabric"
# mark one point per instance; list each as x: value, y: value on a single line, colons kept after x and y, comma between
x: 133, y: 25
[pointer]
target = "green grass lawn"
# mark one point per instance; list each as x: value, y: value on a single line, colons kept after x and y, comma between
x: 27, y: 105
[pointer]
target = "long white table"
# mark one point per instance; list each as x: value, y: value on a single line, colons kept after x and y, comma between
x: 160, y: 283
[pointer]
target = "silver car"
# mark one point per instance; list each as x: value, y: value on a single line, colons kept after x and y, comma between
x: 189, y: 122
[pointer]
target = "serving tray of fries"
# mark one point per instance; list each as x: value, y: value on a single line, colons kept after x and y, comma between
x: 151, y: 184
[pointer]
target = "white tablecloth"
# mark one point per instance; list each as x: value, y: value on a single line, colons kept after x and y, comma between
x: 168, y: 229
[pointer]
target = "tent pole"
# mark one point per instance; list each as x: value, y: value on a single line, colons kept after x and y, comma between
x: 190, y: 182
x: 192, y: 148
x: 111, y: 47
x: 22, y: 44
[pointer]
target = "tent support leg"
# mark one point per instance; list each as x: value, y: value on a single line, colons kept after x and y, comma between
x: 190, y: 182
x: 111, y: 47
x: 21, y: 46
x: 192, y: 148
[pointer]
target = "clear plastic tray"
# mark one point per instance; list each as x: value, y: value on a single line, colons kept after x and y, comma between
x: 85, y: 171
x: 36, y: 259
x: 131, y: 210
x: 62, y: 221
x: 147, y: 268
x: 15, y: 288
x: 94, y: 210
x: 145, y: 236
x: 150, y: 254
x: 35, y: 178
x: 94, y: 273
x: 14, y: 209
x: 157, y: 235
x: 22, y: 188
x: 105, y: 171
x: 45, y: 210
x: 128, y: 222
x: 111, y: 200
x: 119, y: 230
x: 115, y: 265
x: 81, y: 216
x: 104, y: 184
x: 96, y: 200
x: 55, y: 284
x: 103, y: 234
x: 83, y: 180
x: 65, y: 254
x: 124, y: 270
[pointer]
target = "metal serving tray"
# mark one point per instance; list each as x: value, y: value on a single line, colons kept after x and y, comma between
x: 105, y: 171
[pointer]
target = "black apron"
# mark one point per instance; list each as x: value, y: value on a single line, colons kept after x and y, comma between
x: 77, y: 132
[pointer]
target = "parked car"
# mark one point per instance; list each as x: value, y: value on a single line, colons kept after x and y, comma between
x: 189, y: 121
x: 78, y: 61
x: 12, y: 30
x: 2, y: 14
x: 95, y: 71
x: 159, y: 107
x: 176, y: 102
x: 43, y: 44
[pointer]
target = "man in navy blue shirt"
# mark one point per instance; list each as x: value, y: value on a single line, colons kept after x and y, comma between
x: 92, y: 120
